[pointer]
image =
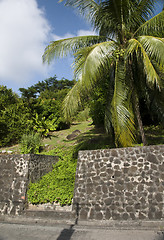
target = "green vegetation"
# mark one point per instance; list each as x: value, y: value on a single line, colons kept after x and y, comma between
x: 30, y: 143
x: 57, y: 185
x: 38, y: 110
x: 14, y: 117
x: 117, y: 100
x: 127, y: 53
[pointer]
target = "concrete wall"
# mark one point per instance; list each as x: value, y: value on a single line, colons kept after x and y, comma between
x: 120, y: 184
x: 15, y: 173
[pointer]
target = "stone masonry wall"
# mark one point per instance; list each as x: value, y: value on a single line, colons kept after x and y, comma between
x: 39, y: 165
x: 15, y: 173
x: 120, y: 184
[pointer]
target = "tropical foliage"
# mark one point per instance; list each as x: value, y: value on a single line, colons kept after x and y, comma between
x: 57, y: 185
x: 128, y: 52
x: 30, y: 143
x: 13, y: 117
x: 38, y: 110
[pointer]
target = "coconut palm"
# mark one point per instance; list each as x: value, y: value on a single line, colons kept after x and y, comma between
x: 129, y: 50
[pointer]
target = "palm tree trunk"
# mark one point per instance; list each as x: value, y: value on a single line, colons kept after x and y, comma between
x: 136, y: 107
x: 138, y: 115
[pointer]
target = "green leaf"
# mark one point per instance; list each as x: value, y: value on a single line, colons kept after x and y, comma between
x: 72, y: 101
x: 121, y: 108
x: 91, y: 63
x: 150, y: 73
x: 154, y: 48
x: 63, y: 47
x: 153, y: 26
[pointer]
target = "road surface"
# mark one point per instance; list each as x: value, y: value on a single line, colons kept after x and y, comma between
x: 10, y: 231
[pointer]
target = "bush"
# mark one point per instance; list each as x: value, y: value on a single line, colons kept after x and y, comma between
x: 30, y: 143
x: 57, y: 185
x: 14, y: 122
x: 14, y: 116
x: 43, y: 126
x: 99, y: 101
x: 82, y: 115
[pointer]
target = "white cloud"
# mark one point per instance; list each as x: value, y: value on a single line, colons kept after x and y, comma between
x: 80, y: 32
x: 85, y: 33
x: 57, y: 37
x: 24, y: 34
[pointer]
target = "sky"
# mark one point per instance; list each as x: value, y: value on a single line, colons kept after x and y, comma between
x: 27, y: 27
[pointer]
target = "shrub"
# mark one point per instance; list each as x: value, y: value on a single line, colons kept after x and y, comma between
x: 30, y: 143
x: 43, y: 126
x: 14, y: 116
x: 82, y: 115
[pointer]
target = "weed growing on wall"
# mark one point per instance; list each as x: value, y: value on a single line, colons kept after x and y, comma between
x: 57, y: 185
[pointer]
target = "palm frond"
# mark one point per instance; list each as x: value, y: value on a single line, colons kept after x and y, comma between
x: 151, y: 75
x: 146, y: 8
x: 160, y: 70
x: 72, y: 101
x: 86, y: 8
x: 93, y: 62
x: 155, y: 103
x: 157, y: 106
x: 112, y: 17
x: 108, y: 114
x: 154, y: 48
x: 154, y: 26
x: 122, y: 114
x: 63, y: 47
x: 138, y: 13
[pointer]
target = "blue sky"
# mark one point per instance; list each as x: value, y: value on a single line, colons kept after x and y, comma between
x: 65, y: 22
x: 26, y: 27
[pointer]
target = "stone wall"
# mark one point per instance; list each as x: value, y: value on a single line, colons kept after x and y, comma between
x: 15, y: 173
x: 39, y: 165
x: 120, y: 184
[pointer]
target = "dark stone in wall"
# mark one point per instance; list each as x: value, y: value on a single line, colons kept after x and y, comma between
x: 127, y: 184
x: 39, y: 165
x: 15, y: 173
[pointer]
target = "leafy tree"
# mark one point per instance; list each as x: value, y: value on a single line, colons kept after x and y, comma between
x: 7, y: 97
x: 14, y: 121
x: 44, y: 100
x: 129, y: 49
x: 51, y: 84
x: 38, y: 110
x: 28, y: 93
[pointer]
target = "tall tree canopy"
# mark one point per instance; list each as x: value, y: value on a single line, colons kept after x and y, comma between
x: 128, y: 49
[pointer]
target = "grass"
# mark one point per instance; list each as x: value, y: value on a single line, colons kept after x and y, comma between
x: 155, y: 134
x: 60, y: 137
x: 90, y: 138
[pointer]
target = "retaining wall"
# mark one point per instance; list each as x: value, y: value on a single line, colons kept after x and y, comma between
x: 15, y: 173
x: 120, y: 184
x: 111, y: 184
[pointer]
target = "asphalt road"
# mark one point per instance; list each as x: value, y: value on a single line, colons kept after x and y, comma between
x: 12, y: 231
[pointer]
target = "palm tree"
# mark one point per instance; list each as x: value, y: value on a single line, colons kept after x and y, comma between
x: 129, y: 49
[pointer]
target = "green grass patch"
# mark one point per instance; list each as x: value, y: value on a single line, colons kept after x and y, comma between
x: 57, y: 185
